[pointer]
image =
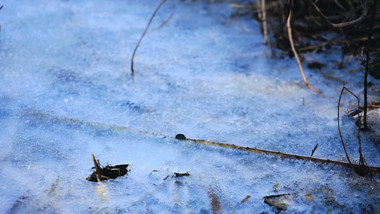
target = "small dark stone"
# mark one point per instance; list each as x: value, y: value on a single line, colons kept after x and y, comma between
x: 180, y: 137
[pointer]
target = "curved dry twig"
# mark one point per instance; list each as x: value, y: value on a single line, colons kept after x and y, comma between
x: 343, y: 24
x: 362, y: 168
x: 340, y: 132
x: 290, y: 5
x: 142, y: 36
x: 296, y: 55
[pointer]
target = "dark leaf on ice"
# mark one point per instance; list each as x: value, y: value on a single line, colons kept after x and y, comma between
x: 108, y: 172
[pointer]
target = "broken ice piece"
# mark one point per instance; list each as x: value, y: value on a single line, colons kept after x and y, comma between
x: 107, y: 172
x: 280, y: 202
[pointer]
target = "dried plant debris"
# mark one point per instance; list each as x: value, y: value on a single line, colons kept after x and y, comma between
x: 107, y: 172
x: 315, y: 148
x: 180, y: 175
x: 309, y: 197
x: 19, y: 202
x: 320, y: 25
x: 216, y: 207
x: 177, y: 174
x: 1, y: 7
x: 245, y: 199
x: 280, y: 202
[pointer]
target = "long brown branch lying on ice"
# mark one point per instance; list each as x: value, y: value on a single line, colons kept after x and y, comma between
x: 279, y: 154
x: 96, y: 125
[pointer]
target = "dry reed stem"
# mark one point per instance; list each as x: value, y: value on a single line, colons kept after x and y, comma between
x: 280, y: 154
x: 296, y: 55
x: 373, y: 12
x: 265, y: 28
x: 370, y: 106
x: 98, y: 169
x: 142, y: 36
x: 96, y: 125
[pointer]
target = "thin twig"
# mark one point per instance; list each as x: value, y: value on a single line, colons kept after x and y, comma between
x: 242, y: 7
x: 339, y: 5
x: 290, y: 5
x: 280, y: 154
x: 260, y: 15
x: 166, y: 21
x: 361, y: 109
x: 371, y: 106
x: 142, y: 36
x: 373, y: 12
x: 317, y: 46
x: 362, y: 161
x: 343, y: 24
x: 315, y: 148
x: 296, y: 55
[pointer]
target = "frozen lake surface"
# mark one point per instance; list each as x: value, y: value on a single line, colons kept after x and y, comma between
x: 66, y: 93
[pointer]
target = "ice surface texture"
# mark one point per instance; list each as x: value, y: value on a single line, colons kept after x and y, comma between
x: 202, y: 74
